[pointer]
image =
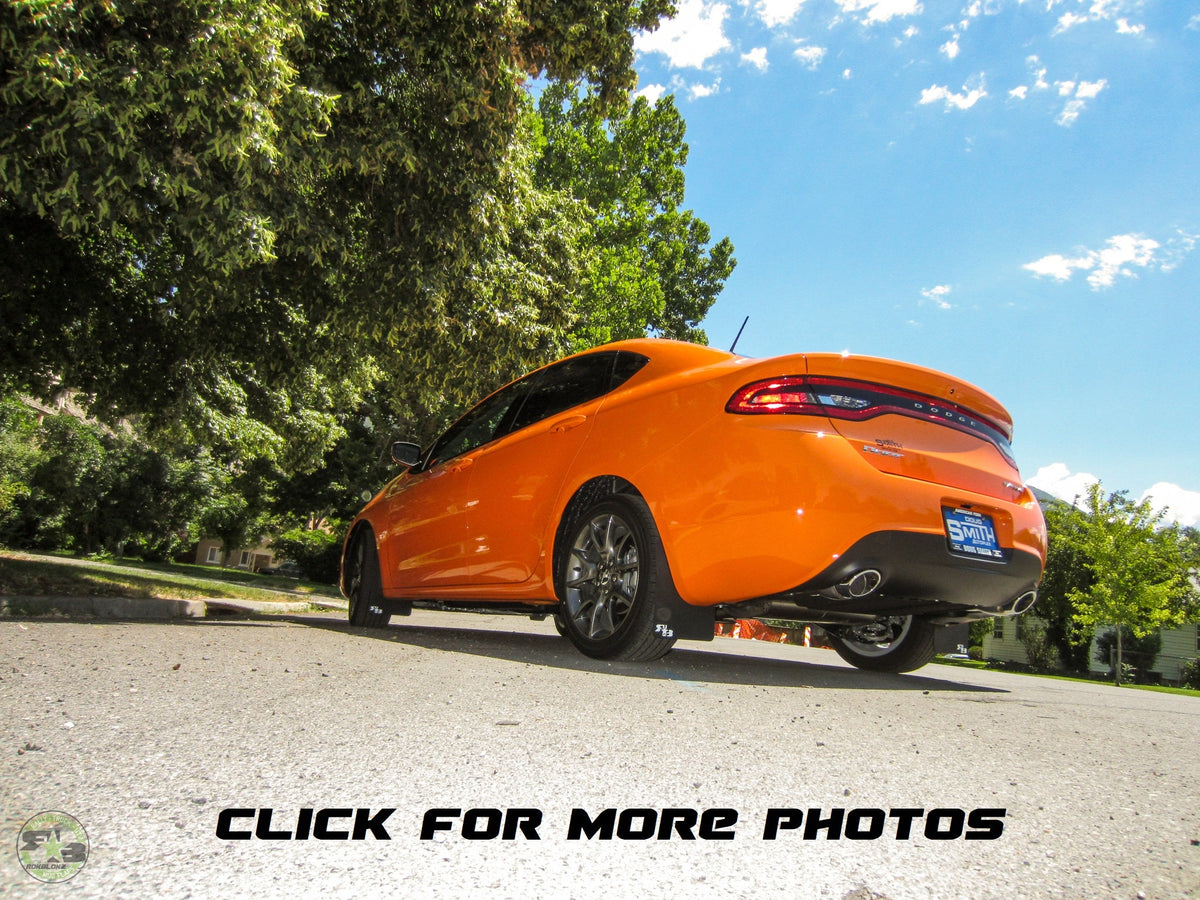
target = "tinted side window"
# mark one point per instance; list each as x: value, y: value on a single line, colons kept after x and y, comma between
x: 628, y: 365
x: 479, y: 425
x: 566, y: 384
x: 576, y: 381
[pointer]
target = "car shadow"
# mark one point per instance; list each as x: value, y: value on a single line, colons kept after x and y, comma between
x: 688, y: 663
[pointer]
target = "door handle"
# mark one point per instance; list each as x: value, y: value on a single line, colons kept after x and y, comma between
x: 567, y: 424
x: 461, y: 464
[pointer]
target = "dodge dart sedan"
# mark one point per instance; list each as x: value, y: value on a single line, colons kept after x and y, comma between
x: 642, y: 491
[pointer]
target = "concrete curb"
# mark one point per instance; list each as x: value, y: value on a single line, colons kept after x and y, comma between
x: 151, y: 607
x: 104, y: 607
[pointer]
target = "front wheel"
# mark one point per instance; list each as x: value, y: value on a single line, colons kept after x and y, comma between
x: 608, y: 584
x: 890, y: 644
x: 364, y: 585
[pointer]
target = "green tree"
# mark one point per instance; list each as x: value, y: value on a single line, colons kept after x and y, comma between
x: 650, y: 267
x: 1139, y: 566
x: 1068, y: 572
x: 243, y: 213
x: 18, y: 456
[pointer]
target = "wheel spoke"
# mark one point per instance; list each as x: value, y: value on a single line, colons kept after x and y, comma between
x: 602, y: 622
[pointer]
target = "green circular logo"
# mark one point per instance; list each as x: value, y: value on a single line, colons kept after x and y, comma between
x: 52, y: 847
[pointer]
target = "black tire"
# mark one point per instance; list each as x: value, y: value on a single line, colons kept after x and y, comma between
x: 607, y: 585
x: 893, y: 644
x: 560, y: 624
x: 363, y: 584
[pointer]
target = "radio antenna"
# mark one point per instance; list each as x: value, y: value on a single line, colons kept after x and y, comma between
x: 739, y: 334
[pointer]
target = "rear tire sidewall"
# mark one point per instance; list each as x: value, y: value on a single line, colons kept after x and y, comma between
x: 367, y: 608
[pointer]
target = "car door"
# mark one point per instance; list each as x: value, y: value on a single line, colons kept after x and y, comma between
x: 516, y: 479
x: 426, y: 543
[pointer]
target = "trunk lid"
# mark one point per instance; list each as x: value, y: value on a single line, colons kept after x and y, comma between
x: 918, y: 423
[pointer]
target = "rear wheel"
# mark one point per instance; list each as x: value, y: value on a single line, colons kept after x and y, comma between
x: 364, y: 586
x: 609, y: 582
x: 889, y: 644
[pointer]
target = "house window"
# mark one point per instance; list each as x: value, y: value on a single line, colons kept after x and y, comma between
x: 998, y: 629
x: 214, y: 555
x: 1020, y: 630
x: 245, y: 558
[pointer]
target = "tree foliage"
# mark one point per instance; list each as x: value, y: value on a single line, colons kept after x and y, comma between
x: 1114, y: 562
x: 650, y: 266
x: 235, y: 218
x: 76, y: 485
x: 1067, y: 573
x: 1139, y: 566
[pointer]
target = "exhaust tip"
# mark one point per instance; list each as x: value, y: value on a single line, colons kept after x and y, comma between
x: 860, y: 584
x: 1024, y: 602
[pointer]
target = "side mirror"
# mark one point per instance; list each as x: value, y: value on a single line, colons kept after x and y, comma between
x: 405, y: 453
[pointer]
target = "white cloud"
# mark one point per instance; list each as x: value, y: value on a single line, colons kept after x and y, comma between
x: 1194, y: 22
x: 875, y: 11
x: 1089, y: 89
x: 774, y: 13
x: 1122, y: 251
x: 950, y: 49
x: 1177, y: 248
x: 1183, y: 506
x: 968, y: 98
x: 938, y: 295
x: 1039, y: 73
x: 1058, y: 267
x: 757, y: 58
x: 1068, y: 20
x: 1099, y: 11
x: 697, y: 91
x: 810, y: 56
x: 1116, y: 259
x: 1057, y: 480
x: 652, y: 92
x: 692, y: 38
x: 1083, y: 91
x: 1019, y: 92
x: 847, y: 74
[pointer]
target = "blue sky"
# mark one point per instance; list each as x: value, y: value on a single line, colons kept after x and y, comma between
x: 1008, y: 191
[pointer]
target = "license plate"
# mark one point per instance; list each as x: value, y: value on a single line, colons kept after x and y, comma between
x: 971, y: 533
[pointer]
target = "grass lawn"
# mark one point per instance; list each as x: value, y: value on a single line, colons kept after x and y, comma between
x: 39, y: 575
x: 984, y: 664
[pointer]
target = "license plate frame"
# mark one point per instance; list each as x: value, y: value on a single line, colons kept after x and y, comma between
x: 972, y: 534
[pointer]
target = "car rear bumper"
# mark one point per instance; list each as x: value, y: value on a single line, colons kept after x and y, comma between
x: 920, y: 576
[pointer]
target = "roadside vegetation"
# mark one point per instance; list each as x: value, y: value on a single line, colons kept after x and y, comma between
x: 37, y: 575
x: 995, y: 665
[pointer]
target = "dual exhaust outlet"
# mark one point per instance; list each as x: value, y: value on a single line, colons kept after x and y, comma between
x: 867, y: 581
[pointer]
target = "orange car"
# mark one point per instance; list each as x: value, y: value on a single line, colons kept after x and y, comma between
x: 641, y: 491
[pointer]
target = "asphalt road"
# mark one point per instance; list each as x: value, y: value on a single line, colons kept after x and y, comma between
x: 146, y: 732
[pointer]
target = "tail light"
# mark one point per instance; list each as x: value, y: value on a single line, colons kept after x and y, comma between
x: 844, y: 398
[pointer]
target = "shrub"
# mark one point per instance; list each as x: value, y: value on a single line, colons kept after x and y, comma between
x: 1189, y: 675
x: 317, y: 553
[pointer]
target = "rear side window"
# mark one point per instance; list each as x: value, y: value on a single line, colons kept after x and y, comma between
x: 573, y: 382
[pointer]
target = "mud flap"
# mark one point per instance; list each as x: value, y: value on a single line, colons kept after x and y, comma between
x: 673, y: 616
x: 399, y: 607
